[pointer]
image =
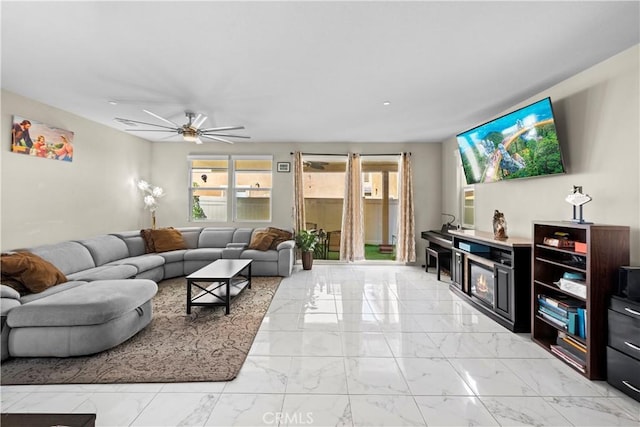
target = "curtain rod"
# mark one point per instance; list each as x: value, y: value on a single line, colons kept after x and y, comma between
x: 344, y: 155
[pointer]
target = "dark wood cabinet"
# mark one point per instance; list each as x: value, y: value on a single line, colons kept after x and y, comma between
x: 504, y: 291
x: 457, y: 269
x: 494, y: 276
x: 623, y: 346
x: 592, y: 262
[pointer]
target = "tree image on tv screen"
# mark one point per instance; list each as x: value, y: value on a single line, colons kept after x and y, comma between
x: 519, y: 145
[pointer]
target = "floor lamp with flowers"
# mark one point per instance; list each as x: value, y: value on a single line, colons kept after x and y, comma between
x: 151, y: 196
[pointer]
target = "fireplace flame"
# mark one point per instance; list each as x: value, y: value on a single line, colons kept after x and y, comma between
x: 481, y: 284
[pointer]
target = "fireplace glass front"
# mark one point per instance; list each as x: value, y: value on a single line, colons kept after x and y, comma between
x: 481, y: 283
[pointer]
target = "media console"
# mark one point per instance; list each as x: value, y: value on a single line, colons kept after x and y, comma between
x: 494, y: 276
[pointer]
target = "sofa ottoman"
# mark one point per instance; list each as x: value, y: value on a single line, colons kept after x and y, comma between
x: 82, y: 320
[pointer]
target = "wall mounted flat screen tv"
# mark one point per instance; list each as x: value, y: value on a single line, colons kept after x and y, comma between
x: 521, y: 144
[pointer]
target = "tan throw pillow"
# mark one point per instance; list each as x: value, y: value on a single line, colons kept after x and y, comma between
x: 149, y: 248
x: 30, y: 270
x: 279, y: 236
x: 261, y: 240
x: 167, y: 239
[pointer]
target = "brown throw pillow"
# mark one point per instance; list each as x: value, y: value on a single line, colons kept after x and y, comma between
x: 279, y: 236
x: 149, y: 248
x: 30, y: 270
x: 261, y: 240
x: 167, y: 239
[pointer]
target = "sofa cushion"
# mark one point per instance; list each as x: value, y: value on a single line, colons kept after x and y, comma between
x: 142, y: 263
x: 8, y: 292
x: 173, y: 256
x: 261, y: 240
x: 242, y: 235
x: 106, y: 272
x: 191, y: 235
x: 167, y: 239
x: 260, y: 255
x: 105, y: 249
x: 52, y: 290
x: 92, y: 304
x: 134, y: 242
x: 214, y: 237
x: 35, y: 273
x: 203, y: 254
x: 15, y: 285
x: 69, y: 257
x: 279, y: 236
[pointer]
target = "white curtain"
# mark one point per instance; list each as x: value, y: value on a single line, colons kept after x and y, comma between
x: 406, y: 248
x: 352, y: 241
x: 299, y: 221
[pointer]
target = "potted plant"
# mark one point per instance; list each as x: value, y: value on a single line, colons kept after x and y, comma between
x: 307, y: 240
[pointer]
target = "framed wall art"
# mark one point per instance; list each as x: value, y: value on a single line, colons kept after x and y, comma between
x: 284, y: 167
x: 37, y: 139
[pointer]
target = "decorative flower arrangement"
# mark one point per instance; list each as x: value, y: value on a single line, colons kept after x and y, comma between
x: 151, y: 196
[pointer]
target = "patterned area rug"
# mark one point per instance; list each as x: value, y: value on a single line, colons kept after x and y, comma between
x: 203, y: 346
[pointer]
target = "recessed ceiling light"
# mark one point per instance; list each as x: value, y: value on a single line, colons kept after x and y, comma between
x: 113, y: 102
x: 385, y: 103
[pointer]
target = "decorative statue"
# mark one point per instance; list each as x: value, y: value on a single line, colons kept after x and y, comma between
x: 499, y: 226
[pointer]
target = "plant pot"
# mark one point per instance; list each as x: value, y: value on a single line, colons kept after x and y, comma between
x: 307, y: 260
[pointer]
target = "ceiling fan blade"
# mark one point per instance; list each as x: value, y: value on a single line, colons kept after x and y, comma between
x: 152, y: 130
x: 161, y: 118
x: 224, y: 134
x: 217, y: 139
x: 199, y: 120
x: 128, y: 121
x: 222, y: 128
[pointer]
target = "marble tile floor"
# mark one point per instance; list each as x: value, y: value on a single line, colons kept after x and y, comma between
x: 361, y: 345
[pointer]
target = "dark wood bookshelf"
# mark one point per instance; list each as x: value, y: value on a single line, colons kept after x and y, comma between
x: 607, y: 250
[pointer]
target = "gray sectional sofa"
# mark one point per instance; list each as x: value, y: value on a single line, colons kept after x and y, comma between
x: 111, y: 282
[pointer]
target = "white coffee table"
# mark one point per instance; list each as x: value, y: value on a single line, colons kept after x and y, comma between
x: 218, y: 282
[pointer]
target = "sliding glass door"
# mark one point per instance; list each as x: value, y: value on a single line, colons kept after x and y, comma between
x: 380, y: 193
x: 324, y: 179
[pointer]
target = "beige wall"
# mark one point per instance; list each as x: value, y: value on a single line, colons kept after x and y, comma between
x: 47, y: 201
x: 598, y: 122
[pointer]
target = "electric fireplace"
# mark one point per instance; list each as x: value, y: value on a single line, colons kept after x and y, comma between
x: 481, y: 283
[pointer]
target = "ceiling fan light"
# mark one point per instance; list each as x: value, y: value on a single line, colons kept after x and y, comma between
x: 190, y: 137
x: 198, y: 140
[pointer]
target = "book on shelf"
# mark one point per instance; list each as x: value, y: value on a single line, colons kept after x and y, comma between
x: 559, y: 242
x: 578, y: 353
x: 574, y: 287
x: 557, y: 316
x: 568, y: 358
x: 561, y: 301
x: 556, y: 309
x: 573, y: 341
x: 573, y: 324
x: 553, y: 320
x: 582, y: 325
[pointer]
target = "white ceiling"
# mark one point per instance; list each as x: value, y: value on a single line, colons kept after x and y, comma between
x: 306, y: 71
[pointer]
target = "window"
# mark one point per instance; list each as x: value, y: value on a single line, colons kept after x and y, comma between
x: 252, y: 188
x: 467, y: 196
x: 208, y: 189
x: 468, y: 207
x: 250, y: 195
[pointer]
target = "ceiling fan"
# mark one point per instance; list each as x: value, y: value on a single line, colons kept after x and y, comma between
x: 191, y: 131
x: 314, y: 164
